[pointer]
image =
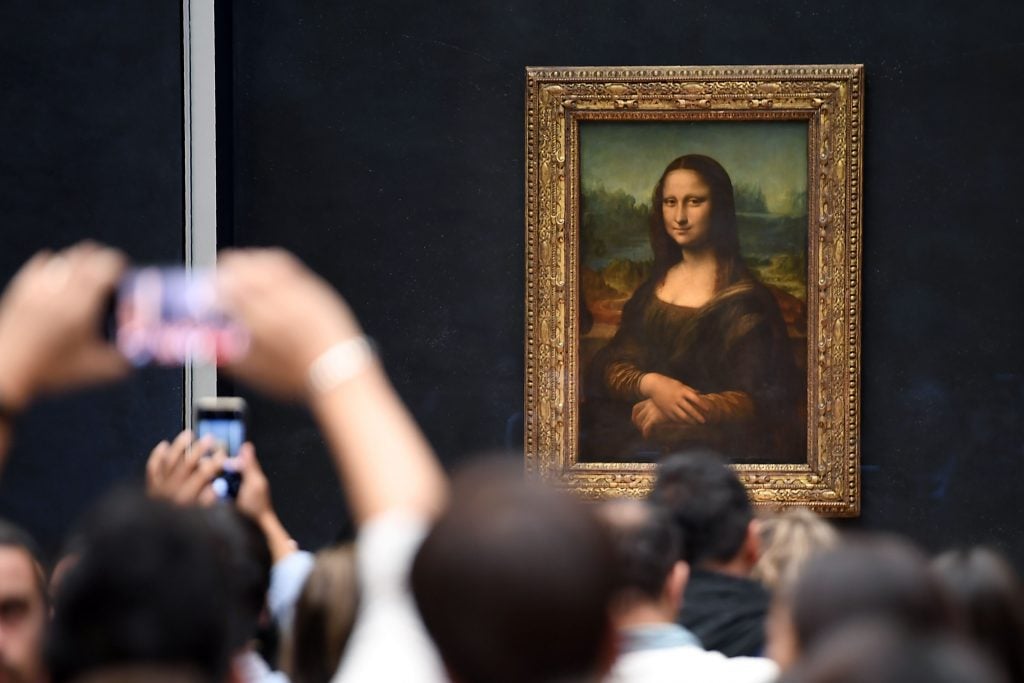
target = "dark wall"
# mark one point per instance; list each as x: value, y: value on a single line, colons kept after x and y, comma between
x: 91, y: 140
x: 384, y: 143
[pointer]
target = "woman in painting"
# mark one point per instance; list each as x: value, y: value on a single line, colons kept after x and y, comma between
x: 701, y: 356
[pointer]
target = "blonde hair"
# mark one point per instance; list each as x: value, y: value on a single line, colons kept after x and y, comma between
x: 788, y: 540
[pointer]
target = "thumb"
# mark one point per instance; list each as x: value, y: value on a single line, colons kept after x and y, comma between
x: 246, y: 460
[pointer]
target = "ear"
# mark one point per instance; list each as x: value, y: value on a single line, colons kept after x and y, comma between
x: 675, y: 585
x: 752, y: 543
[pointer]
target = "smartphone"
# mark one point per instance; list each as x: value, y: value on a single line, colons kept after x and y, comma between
x: 171, y: 315
x: 226, y: 419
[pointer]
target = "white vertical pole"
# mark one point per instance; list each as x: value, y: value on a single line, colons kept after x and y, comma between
x: 200, y: 116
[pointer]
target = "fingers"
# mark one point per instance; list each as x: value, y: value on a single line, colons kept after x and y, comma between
x: 244, y: 273
x: 155, y: 467
x: 207, y: 497
x: 175, y: 453
x: 254, y: 491
x: 691, y: 407
x: 646, y: 416
x: 182, y: 470
x: 171, y: 464
x: 200, y: 477
x: 245, y: 463
x: 183, y: 459
x: 684, y: 411
x: 291, y: 315
x: 86, y: 271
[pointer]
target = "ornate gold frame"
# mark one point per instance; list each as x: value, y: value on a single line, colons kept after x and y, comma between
x: 830, y: 99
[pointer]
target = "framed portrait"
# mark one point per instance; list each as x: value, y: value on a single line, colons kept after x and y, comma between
x: 693, y: 260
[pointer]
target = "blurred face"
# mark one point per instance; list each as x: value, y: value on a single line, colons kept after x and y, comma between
x: 22, y: 617
x: 686, y: 208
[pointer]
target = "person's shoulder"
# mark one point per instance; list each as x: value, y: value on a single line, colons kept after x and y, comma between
x: 665, y: 664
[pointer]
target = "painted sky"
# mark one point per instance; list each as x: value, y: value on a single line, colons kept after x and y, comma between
x: 630, y: 156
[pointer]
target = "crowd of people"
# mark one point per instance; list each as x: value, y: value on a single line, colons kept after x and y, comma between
x: 483, y: 578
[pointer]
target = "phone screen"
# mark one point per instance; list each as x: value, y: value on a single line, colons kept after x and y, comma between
x: 171, y: 315
x: 228, y: 428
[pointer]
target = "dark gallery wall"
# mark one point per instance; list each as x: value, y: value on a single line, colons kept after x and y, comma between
x: 384, y: 143
x: 91, y: 140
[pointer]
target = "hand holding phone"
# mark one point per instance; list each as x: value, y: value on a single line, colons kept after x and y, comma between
x: 181, y: 470
x: 170, y: 316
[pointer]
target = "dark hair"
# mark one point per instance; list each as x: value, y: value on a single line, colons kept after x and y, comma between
x: 873, y: 651
x: 13, y: 536
x: 646, y: 545
x: 514, y: 582
x: 324, y: 616
x: 148, y: 590
x: 867, y: 577
x: 987, y: 595
x: 243, y: 549
x: 708, y: 504
x: 724, y: 236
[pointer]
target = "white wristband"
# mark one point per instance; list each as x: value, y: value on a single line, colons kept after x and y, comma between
x: 339, y: 364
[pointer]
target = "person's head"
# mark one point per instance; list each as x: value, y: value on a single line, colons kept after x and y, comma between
x: 23, y: 607
x: 987, y: 596
x: 878, y: 651
x: 243, y: 550
x: 650, y: 575
x: 514, y: 582
x: 709, y: 505
x: 862, y: 578
x: 788, y: 540
x: 148, y: 593
x: 324, y: 616
x: 698, y: 183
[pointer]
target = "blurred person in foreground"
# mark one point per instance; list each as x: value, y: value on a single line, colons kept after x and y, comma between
x: 23, y: 607
x: 870, y: 577
x: 148, y: 599
x: 880, y: 651
x: 306, y: 345
x: 989, y: 601
x: 651, y: 580
x: 723, y: 606
x: 514, y: 582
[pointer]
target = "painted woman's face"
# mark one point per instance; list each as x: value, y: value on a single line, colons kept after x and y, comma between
x: 686, y: 208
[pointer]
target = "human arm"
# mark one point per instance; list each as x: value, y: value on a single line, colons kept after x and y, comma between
x: 294, y: 317
x: 50, y: 324
x: 254, y: 500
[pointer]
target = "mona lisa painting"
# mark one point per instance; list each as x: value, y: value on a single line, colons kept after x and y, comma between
x: 693, y: 270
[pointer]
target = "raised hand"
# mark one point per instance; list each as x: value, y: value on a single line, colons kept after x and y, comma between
x: 182, y: 470
x: 292, y: 315
x: 51, y: 321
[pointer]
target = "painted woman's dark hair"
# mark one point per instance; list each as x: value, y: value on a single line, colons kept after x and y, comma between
x: 724, y: 236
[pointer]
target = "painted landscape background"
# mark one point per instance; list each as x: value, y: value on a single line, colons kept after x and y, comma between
x: 620, y: 162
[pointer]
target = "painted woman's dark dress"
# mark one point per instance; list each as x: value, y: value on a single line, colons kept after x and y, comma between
x: 734, y: 348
